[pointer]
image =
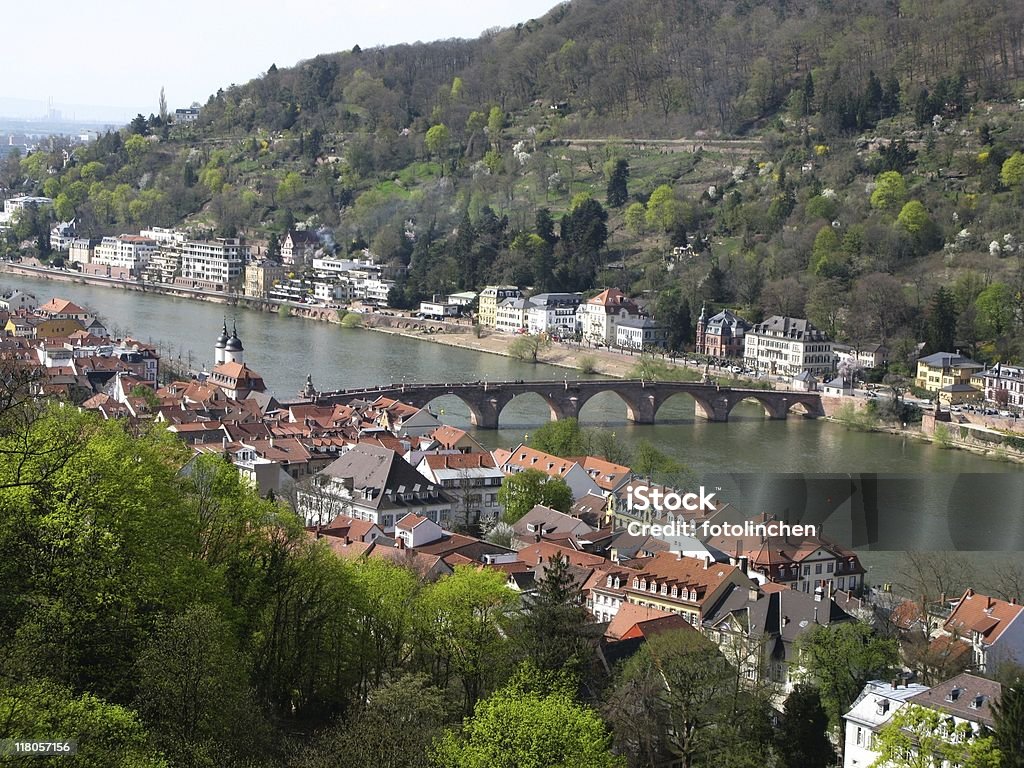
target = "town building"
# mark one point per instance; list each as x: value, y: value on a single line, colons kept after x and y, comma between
x: 553, y: 314
x: 62, y: 234
x: 872, y: 711
x: 490, y: 298
x: 372, y: 483
x: 522, y: 457
x: 510, y: 316
x: 948, y: 374
x: 597, y: 318
x: 126, y: 252
x: 298, y: 247
x: 15, y: 205
x: 261, y: 276
x: 993, y: 628
x: 1001, y: 385
x: 471, y: 479
x: 82, y: 249
x: 214, y: 265
x: 720, y: 335
x: 18, y: 301
x: 640, y: 334
x: 787, y: 346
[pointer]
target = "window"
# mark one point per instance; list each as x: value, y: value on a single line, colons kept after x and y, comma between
x: 807, y: 570
x: 817, y: 568
x: 830, y: 567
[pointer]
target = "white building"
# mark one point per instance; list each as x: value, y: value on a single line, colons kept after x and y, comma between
x: 81, y: 250
x: 298, y: 247
x: 471, y: 479
x: 787, y: 346
x: 62, y: 234
x: 553, y: 313
x: 18, y: 300
x: 16, y: 204
x: 872, y: 710
x: 131, y: 252
x: 216, y: 264
x: 640, y: 334
x: 438, y: 309
x: 510, y: 315
x: 597, y: 318
x: 1002, y: 385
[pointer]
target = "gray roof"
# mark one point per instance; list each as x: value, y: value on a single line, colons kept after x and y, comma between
x: 786, y: 615
x: 966, y: 696
x: 556, y: 299
x: 949, y: 360
x: 380, y: 470
x: 791, y: 328
x: 640, y: 322
x: 726, y: 319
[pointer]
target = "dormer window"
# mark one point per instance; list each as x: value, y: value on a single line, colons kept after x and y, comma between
x: 664, y: 589
x: 643, y: 584
x: 953, y: 695
x: 609, y: 582
x: 636, y: 584
x: 977, y: 701
x: 882, y: 706
x: 675, y: 591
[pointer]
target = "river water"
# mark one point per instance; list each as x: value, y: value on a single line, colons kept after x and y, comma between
x: 927, y: 498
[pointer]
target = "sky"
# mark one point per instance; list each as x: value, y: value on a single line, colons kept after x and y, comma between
x: 109, y: 60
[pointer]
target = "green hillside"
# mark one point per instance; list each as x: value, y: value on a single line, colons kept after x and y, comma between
x: 835, y: 159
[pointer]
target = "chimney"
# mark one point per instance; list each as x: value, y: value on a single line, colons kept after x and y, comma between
x: 348, y: 540
x: 536, y: 537
x: 540, y: 559
x: 815, y: 614
x: 707, y: 562
x: 754, y: 594
x: 744, y: 564
x: 399, y: 542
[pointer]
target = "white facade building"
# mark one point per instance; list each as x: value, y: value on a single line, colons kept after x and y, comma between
x: 553, y: 313
x: 131, y: 252
x: 787, y: 346
x: 510, y: 316
x: 597, y: 318
x: 218, y: 263
x: 872, y: 710
x: 1002, y: 385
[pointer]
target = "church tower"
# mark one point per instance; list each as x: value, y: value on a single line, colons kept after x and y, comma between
x: 222, y: 342
x: 233, y: 350
x: 702, y: 322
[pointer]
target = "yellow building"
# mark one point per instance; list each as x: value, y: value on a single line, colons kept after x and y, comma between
x: 57, y: 328
x: 260, y: 277
x: 490, y: 298
x: 949, y: 375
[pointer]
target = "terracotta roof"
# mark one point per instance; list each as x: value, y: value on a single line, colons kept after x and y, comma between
x: 543, y: 551
x: 459, y: 460
x: 608, y: 475
x: 695, y: 574
x: 410, y: 521
x: 629, y: 614
x: 525, y: 457
x: 988, y: 616
x: 57, y: 306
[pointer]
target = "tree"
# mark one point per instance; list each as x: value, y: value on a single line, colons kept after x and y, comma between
x: 163, y: 106
x: 109, y: 736
x: 669, y: 699
x: 995, y: 310
x: 561, y: 438
x: 1009, y: 724
x: 194, y: 693
x: 940, y: 319
x: 395, y: 729
x: 437, y: 139
x: 522, y: 726
x: 841, y: 658
x: 635, y: 219
x: 464, y: 620
x: 495, y: 122
x: 802, y: 739
x: 528, y: 346
x: 1012, y: 172
x: 521, y: 492
x: 921, y: 737
x: 618, y: 192
x: 825, y: 305
x: 139, y: 126
x: 890, y: 191
x: 913, y: 217
x: 552, y: 633
x: 663, y: 208
x: 673, y: 311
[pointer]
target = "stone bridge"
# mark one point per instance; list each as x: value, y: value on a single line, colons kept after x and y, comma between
x: 566, y: 399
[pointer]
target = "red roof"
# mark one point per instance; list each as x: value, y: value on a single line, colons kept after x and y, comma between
x: 989, y: 616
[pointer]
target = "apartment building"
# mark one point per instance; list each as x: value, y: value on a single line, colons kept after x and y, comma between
x: 788, y: 346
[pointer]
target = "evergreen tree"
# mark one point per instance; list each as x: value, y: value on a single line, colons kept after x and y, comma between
x: 618, y: 192
x: 802, y: 739
x: 940, y: 331
x: 1009, y: 725
x: 553, y: 630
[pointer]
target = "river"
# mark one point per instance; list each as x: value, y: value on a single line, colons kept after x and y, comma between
x: 929, y: 498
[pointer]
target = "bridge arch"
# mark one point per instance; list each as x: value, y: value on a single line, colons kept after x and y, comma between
x: 556, y: 407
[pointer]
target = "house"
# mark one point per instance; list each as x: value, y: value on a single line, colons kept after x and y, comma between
x: 450, y: 438
x: 298, y: 247
x: 490, y: 298
x: 688, y: 586
x: 720, y: 335
x: 994, y: 628
x: 840, y: 386
x: 759, y: 630
x: 416, y: 531
x: 541, y: 522
x: 1002, y: 385
x: 471, y: 479
x: 871, y: 712
x: 943, y: 370
x: 801, y: 562
x: 805, y: 381
x: 788, y: 346
x: 598, y: 318
x: 261, y: 276
x: 375, y: 484
x: 18, y: 301
x: 510, y: 316
x: 963, y: 703
x: 236, y: 379
x: 62, y: 309
x: 640, y: 334
x: 523, y: 457
x: 553, y: 314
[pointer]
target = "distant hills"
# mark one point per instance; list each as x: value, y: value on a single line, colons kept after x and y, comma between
x: 497, y: 159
